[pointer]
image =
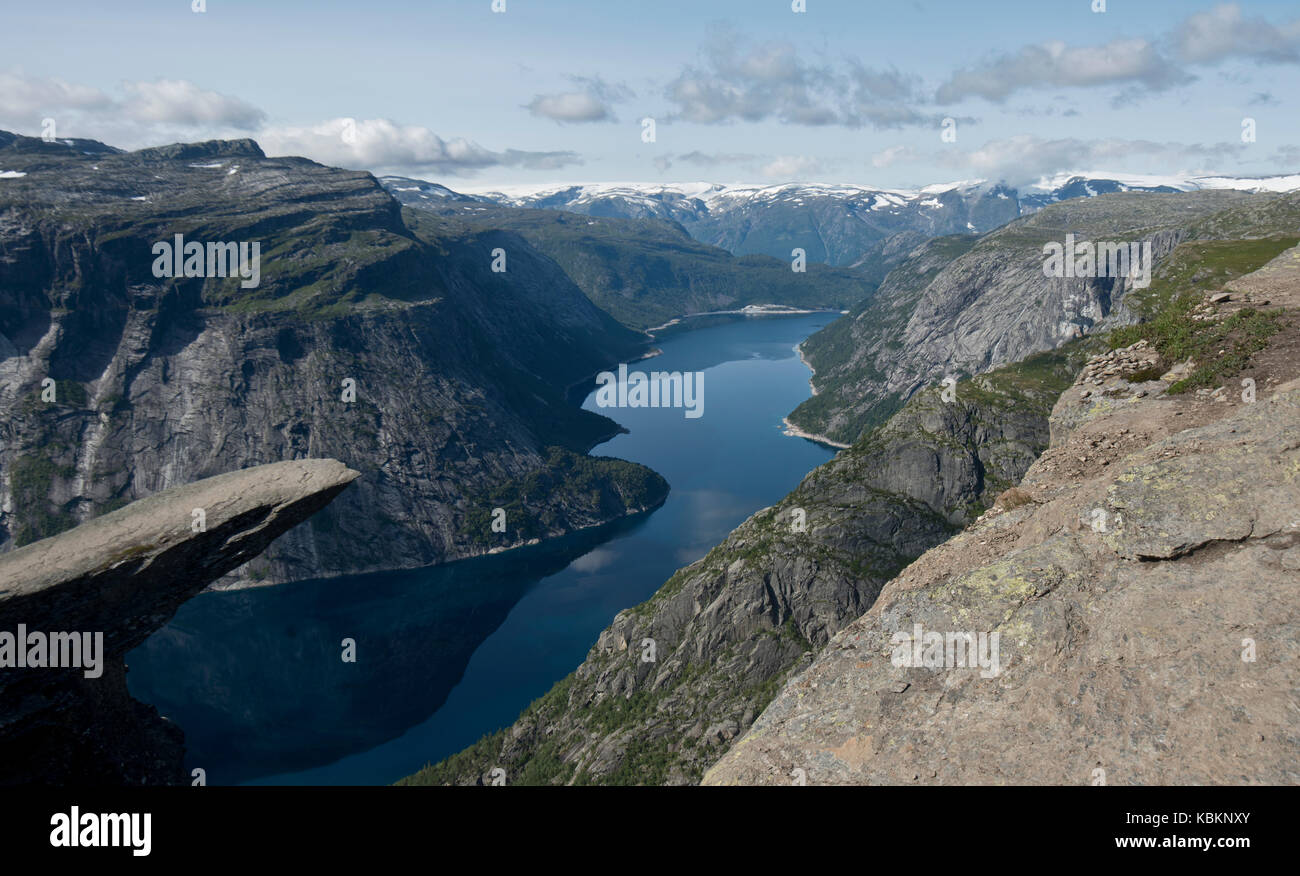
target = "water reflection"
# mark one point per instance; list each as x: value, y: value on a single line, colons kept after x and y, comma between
x: 266, y: 689
x: 448, y: 654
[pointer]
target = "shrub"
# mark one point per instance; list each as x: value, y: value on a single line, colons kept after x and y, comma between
x: 1014, y: 498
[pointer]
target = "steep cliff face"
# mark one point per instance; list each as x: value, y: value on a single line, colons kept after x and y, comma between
x: 120, y: 577
x: 1144, y: 601
x: 404, y: 355
x: 959, y: 307
x: 672, y: 681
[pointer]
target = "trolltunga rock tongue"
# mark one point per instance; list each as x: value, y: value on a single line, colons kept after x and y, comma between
x: 127, y: 572
x: 124, y: 575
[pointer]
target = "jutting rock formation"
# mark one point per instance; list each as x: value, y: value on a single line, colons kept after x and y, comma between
x: 124, y: 575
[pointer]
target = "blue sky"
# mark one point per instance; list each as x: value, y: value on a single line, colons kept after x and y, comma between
x: 554, y: 90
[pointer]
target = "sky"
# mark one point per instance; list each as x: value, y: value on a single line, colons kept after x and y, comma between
x: 890, y: 94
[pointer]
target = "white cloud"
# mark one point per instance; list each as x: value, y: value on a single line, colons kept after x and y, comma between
x: 176, y: 101
x: 791, y: 167
x: 1136, y: 64
x: 1023, y: 159
x: 713, y: 159
x: 174, y: 110
x: 1055, y: 64
x: 1222, y: 32
x: 142, y: 113
x: 34, y: 97
x: 893, y: 155
x: 737, y: 82
x: 592, y: 102
x: 573, y: 106
x: 387, y: 147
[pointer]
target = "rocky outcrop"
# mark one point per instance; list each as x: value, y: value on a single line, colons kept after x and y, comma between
x: 673, y: 683
x: 1143, y: 588
x: 122, y: 576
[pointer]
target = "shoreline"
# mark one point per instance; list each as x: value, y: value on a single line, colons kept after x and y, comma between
x: 812, y: 372
x: 591, y: 379
x: 795, y: 432
x: 747, y: 310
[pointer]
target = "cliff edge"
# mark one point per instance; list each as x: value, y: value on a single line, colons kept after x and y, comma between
x: 122, y: 576
x: 1129, y: 615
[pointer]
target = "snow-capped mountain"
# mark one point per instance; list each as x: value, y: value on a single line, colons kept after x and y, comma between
x: 1066, y: 185
x: 409, y: 190
x: 838, y: 224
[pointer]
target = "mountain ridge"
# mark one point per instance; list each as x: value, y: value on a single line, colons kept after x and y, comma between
x: 163, y: 380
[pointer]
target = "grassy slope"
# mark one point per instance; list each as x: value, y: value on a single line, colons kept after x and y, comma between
x: 1218, y: 348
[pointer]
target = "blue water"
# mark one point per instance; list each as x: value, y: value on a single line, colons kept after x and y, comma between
x: 448, y: 654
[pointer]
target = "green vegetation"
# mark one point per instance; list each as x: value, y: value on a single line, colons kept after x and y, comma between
x: 70, y: 393
x: 31, y: 480
x: 1033, y: 384
x: 321, y: 274
x: 1219, y: 347
x: 536, y: 504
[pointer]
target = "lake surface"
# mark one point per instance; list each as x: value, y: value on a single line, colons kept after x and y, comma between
x: 450, y: 653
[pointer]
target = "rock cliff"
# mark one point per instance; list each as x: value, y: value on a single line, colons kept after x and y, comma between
x: 673, y: 681
x: 673, y: 684
x: 1145, y: 599
x: 959, y: 306
x: 123, y: 575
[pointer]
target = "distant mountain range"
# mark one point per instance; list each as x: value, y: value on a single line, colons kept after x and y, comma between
x: 645, y: 272
x: 842, y: 225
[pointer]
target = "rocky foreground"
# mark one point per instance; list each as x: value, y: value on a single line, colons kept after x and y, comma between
x: 124, y: 575
x: 1144, y: 583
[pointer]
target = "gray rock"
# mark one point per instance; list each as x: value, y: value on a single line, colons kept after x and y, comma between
x: 458, y: 370
x: 123, y: 575
x: 963, y: 305
x: 732, y: 626
x: 1160, y: 648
